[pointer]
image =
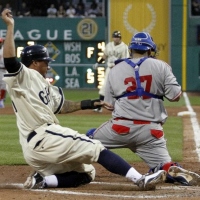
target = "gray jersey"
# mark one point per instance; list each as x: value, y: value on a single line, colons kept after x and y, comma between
x: 156, y: 77
x: 113, y: 52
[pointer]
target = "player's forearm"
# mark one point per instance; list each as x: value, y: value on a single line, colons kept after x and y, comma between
x: 9, y: 45
x: 70, y: 106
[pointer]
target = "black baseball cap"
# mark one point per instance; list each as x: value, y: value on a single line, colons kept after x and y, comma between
x: 116, y: 34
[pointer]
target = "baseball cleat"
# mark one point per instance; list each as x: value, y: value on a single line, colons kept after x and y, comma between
x: 36, y: 181
x: 184, y: 177
x: 149, y: 182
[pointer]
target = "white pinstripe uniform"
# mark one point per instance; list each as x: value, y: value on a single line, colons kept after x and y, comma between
x: 113, y: 52
x: 52, y: 149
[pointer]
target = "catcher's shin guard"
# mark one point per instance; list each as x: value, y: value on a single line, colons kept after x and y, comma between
x: 166, y: 167
x: 175, y: 173
x: 184, y: 177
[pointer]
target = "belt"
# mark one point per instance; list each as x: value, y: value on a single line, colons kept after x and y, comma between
x: 134, y: 121
x: 32, y: 134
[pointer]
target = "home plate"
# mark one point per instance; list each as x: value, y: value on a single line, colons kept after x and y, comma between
x: 186, y: 113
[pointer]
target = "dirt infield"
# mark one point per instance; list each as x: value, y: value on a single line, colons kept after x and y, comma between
x: 106, y: 185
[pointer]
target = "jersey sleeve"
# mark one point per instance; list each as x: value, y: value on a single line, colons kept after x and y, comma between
x: 109, y: 92
x: 58, y: 98
x: 14, y: 79
x: 171, y: 87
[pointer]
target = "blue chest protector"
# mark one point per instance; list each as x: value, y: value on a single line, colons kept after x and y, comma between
x: 139, y: 89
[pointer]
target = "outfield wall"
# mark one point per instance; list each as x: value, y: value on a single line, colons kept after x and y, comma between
x: 185, y: 48
x: 76, y: 44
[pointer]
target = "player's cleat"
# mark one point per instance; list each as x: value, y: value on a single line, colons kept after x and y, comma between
x: 98, y: 110
x: 183, y: 176
x: 149, y: 182
x: 1, y: 104
x: 36, y: 181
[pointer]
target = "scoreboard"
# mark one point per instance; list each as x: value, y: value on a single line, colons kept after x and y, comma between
x: 76, y: 69
x: 75, y: 44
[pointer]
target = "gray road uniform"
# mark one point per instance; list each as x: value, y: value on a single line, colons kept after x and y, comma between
x: 137, y: 121
x: 113, y: 52
x: 47, y: 147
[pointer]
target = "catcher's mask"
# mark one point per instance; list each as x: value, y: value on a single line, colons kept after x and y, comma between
x: 34, y: 52
x: 143, y: 41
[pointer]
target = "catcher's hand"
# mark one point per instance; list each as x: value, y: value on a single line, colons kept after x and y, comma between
x: 105, y: 105
x: 95, y: 66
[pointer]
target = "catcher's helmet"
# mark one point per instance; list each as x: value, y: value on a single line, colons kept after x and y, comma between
x: 142, y: 41
x: 116, y: 34
x: 34, y: 52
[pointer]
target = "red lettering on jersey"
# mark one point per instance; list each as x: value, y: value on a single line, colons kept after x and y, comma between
x: 132, y: 88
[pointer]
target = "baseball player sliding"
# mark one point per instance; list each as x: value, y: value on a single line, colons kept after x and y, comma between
x: 60, y: 156
x: 136, y: 88
x: 114, y: 50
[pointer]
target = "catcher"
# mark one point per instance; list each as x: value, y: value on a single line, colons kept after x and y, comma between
x: 136, y: 88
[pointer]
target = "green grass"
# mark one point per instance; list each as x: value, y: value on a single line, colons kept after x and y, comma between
x: 10, y: 149
x: 180, y: 103
x: 78, y: 95
x: 194, y: 100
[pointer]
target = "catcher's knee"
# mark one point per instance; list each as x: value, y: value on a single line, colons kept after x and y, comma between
x: 90, y: 133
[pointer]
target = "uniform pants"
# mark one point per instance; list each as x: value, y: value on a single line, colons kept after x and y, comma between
x: 55, y: 149
x: 145, y: 140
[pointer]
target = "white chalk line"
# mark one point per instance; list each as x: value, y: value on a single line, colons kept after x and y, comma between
x: 183, y: 188
x: 12, y: 185
x: 174, y: 187
x: 108, y: 195
x: 195, y: 125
